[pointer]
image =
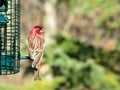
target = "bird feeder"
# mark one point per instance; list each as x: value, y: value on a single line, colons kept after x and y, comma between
x: 9, y: 37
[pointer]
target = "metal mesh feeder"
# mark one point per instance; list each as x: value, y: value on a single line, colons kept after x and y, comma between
x: 9, y: 37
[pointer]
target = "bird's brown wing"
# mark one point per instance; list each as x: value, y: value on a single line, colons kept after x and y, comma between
x: 35, y: 48
x: 37, y: 58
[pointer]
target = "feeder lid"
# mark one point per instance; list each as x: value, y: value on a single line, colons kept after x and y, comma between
x: 3, y: 5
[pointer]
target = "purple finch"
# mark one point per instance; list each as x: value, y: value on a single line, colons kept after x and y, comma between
x: 35, y: 49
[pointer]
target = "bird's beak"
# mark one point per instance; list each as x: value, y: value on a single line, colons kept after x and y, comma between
x: 42, y: 30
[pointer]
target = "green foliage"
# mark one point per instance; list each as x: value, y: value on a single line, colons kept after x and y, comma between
x: 33, y: 85
x: 70, y: 59
x: 68, y: 48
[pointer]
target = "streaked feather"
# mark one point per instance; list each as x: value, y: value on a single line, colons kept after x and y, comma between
x: 35, y: 50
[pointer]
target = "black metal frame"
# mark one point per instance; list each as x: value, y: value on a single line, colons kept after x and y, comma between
x: 10, y: 37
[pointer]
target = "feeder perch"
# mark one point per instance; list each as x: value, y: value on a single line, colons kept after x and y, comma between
x: 9, y: 37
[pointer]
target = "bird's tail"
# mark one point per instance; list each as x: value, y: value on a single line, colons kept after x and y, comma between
x: 36, y: 74
x: 37, y: 56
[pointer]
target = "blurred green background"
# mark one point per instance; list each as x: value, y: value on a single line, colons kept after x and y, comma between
x: 82, y: 49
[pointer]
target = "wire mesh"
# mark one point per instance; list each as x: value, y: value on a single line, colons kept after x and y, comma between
x: 9, y: 37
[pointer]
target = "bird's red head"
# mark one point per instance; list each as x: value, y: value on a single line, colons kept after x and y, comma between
x: 37, y: 27
x: 37, y: 30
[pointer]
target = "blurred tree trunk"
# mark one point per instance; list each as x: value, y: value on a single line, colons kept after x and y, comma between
x: 50, y: 21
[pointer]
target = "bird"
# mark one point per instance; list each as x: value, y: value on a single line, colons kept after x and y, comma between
x: 35, y: 48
